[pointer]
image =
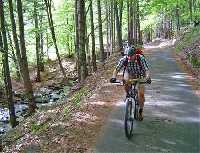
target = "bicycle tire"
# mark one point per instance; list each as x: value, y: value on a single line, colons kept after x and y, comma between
x: 136, y: 110
x: 128, y: 126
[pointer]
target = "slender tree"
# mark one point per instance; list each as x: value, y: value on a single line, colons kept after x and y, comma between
x: 82, y: 42
x: 177, y: 17
x: 100, y: 31
x: 118, y: 25
x: 77, y: 41
x: 37, y: 41
x: 131, y: 15
x: 41, y: 64
x: 22, y: 56
x: 48, y: 4
x: 191, y: 10
x: 6, y: 69
x: 107, y: 26
x: 93, y: 38
x: 18, y: 75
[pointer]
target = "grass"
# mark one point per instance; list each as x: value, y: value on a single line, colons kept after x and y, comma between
x: 187, y: 41
x: 38, y: 128
x: 76, y: 98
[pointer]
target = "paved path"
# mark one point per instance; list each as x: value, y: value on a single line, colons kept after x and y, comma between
x: 171, y: 116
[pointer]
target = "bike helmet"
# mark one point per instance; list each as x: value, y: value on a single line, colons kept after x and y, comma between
x: 131, y: 51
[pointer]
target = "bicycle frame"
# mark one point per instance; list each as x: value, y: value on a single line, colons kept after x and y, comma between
x: 132, y: 105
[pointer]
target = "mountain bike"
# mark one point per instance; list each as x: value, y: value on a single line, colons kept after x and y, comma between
x: 132, y: 105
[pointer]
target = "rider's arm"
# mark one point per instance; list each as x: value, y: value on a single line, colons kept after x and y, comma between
x: 119, y: 66
x: 146, y: 66
x: 114, y: 73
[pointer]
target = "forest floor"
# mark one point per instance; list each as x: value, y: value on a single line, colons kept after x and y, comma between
x: 71, y: 126
x: 75, y: 125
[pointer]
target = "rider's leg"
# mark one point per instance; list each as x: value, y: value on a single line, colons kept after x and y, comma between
x: 141, y: 96
x: 141, y: 101
x: 126, y: 78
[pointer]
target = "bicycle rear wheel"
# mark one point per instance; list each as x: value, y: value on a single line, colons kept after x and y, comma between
x: 128, y: 122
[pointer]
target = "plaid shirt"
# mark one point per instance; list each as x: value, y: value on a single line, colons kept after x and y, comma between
x: 135, y: 68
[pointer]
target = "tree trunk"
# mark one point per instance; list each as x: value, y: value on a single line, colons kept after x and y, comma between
x: 130, y: 30
x: 135, y: 23
x: 18, y: 75
x: 191, y: 10
x: 94, y: 66
x: 51, y: 26
x: 37, y: 41
x: 24, y: 62
x: 120, y: 17
x: 47, y: 41
x: 120, y: 12
x: 177, y: 17
x: 100, y: 31
x: 128, y: 18
x: 14, y: 33
x: 107, y: 26
x: 81, y: 28
x: 111, y: 27
x: 139, y: 38
x: 118, y: 26
x: 114, y: 29
x: 7, y: 78
x: 77, y: 41
x: 41, y: 44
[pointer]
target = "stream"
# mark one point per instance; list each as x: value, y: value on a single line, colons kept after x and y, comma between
x: 43, y: 97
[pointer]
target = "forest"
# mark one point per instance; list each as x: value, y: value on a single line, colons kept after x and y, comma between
x: 48, y: 48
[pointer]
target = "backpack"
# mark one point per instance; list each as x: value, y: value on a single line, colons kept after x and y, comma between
x: 138, y: 58
x: 138, y: 53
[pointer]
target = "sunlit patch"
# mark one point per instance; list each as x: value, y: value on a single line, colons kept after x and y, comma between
x: 93, y: 96
x: 161, y: 114
x: 165, y: 103
x: 121, y: 103
x: 168, y: 142
x: 100, y: 103
x: 84, y: 117
x: 107, y: 91
x: 191, y: 78
x: 184, y: 85
x: 179, y: 76
x: 157, y: 80
x: 197, y: 92
x: 120, y: 122
x: 65, y: 124
x: 52, y: 111
x: 69, y: 65
x: 188, y: 119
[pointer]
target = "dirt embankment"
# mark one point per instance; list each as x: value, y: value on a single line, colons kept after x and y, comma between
x: 187, y: 53
x: 187, y: 49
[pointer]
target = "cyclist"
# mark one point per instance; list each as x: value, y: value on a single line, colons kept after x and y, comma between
x: 135, y: 66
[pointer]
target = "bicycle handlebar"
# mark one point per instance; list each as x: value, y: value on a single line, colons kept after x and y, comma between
x: 132, y: 81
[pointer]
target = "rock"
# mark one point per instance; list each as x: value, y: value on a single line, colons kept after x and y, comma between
x: 32, y: 148
x: 20, y: 109
x: 2, y: 130
x: 41, y: 99
x: 54, y: 97
x: 77, y: 87
x: 18, y: 94
x: 4, y: 115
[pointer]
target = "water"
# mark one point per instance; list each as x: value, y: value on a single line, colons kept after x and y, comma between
x: 43, y: 96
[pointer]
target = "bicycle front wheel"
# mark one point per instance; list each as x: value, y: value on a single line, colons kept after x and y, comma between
x: 128, y: 122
